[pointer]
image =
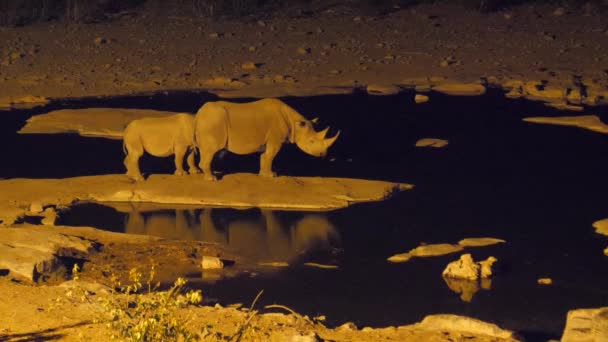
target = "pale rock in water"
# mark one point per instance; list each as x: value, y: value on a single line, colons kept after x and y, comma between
x: 479, y: 242
x: 601, y: 226
x: 486, y: 267
x: 463, y: 268
x: 431, y: 142
x: 211, y: 263
x: 426, y: 251
x: 586, y: 325
x: 50, y: 216
x: 419, y: 98
x: 447, y: 322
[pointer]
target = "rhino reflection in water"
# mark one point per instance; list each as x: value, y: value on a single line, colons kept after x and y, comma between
x: 258, y: 235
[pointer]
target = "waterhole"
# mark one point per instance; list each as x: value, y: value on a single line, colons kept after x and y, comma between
x: 538, y: 187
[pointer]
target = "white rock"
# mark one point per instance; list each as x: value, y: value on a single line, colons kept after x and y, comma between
x: 463, y: 268
x: 461, y: 89
x: 211, y: 263
x: 486, y: 267
x: 446, y: 322
x: 479, y: 242
x: 601, y: 226
x: 35, y: 207
x: 426, y: 251
x: 382, y: 89
x: 544, y: 281
x: 419, y: 98
x: 431, y: 142
x: 590, y: 122
x: 586, y: 325
x: 50, y: 216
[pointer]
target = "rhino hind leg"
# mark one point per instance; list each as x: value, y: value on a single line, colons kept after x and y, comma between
x: 205, y: 164
x: 192, y: 168
x: 131, y: 162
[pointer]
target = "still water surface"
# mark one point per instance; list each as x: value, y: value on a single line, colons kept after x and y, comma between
x: 538, y: 187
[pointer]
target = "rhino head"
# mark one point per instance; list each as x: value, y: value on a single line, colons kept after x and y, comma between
x: 310, y: 141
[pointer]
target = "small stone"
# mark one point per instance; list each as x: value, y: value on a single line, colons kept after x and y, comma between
x: 544, y: 281
x: 347, y: 326
x: 431, y: 142
x: 559, y: 12
x: 211, y: 263
x: 50, y: 216
x: 100, y: 40
x: 444, y: 63
x: 156, y: 68
x: 507, y: 16
x: 261, y: 23
x: 16, y: 55
x: 419, y: 98
x: 303, y: 51
x: 35, y: 207
x: 249, y: 66
x: 215, y: 35
x: 252, y: 48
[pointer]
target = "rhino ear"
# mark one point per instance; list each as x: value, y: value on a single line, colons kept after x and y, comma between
x: 315, y: 120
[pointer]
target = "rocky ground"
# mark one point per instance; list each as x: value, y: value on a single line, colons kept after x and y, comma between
x: 322, y: 48
x: 540, y: 51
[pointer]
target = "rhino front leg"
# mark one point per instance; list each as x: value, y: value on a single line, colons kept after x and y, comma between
x: 131, y: 162
x: 179, y: 161
x: 266, y: 160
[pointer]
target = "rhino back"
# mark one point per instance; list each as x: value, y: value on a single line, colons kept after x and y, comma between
x: 160, y: 135
x: 252, y: 125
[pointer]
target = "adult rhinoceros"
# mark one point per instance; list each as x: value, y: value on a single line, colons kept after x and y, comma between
x: 259, y: 126
x: 161, y: 137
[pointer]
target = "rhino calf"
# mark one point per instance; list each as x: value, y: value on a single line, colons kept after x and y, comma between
x: 160, y: 137
x: 259, y: 126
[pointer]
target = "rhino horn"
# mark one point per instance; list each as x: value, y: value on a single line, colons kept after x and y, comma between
x: 330, y: 141
x: 323, y: 133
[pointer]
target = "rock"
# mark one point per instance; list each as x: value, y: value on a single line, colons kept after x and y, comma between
x: 479, y: 242
x: 559, y: 12
x: 311, y: 337
x: 586, y: 325
x: 601, y: 226
x: 463, y: 268
x: 211, y: 263
x: 99, y: 41
x: 535, y: 90
x: 222, y: 81
x: 431, y: 142
x: 446, y: 322
x: 590, y: 122
x: 323, y: 266
x: 26, y: 262
x: 426, y: 251
x: 50, y: 216
x: 486, y: 267
x: 249, y: 66
x: 35, y: 208
x: 215, y: 35
x: 303, y: 51
x: 544, y: 281
x: 460, y: 89
x: 380, y: 89
x: 419, y: 98
x: 348, y: 326
x: 564, y: 106
x: 274, y: 264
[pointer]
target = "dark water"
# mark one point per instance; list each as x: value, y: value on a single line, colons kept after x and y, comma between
x: 539, y: 187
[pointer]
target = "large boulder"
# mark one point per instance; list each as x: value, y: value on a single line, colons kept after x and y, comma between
x: 586, y: 325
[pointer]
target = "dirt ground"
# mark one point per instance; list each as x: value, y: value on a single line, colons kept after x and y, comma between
x: 321, y: 48
x: 335, y: 49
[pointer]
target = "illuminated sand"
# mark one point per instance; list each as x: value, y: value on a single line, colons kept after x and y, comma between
x: 590, y: 122
x: 234, y: 190
x: 97, y: 122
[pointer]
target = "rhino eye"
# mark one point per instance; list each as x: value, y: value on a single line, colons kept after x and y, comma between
x: 301, y: 123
